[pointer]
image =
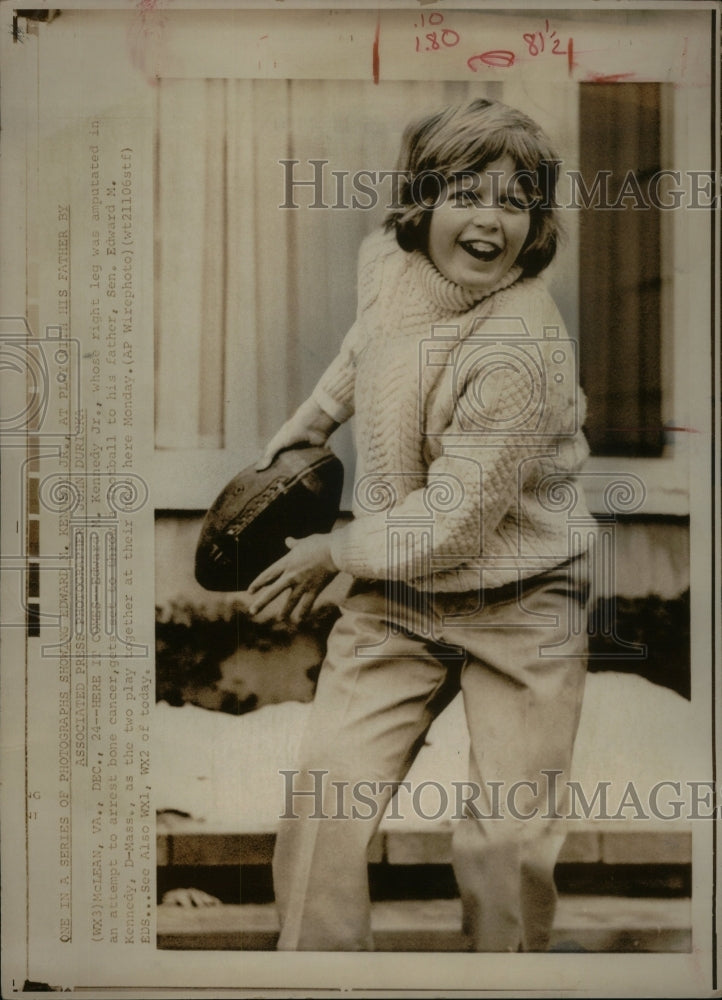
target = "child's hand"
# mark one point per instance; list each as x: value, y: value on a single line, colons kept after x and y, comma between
x: 189, y: 897
x: 304, y: 572
x: 309, y: 424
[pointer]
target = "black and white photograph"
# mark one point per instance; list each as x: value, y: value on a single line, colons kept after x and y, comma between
x: 361, y: 374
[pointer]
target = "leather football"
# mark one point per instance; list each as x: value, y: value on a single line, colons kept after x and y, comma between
x: 245, y: 529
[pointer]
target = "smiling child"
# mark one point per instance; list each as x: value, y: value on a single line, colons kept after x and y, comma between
x: 467, y: 412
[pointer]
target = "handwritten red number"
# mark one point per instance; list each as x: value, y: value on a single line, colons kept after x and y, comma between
x: 448, y: 39
x: 434, y: 18
x: 536, y: 42
x: 530, y: 39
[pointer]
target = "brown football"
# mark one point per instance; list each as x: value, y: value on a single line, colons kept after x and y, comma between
x: 245, y: 529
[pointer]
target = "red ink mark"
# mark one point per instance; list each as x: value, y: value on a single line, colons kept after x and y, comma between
x: 448, y: 39
x: 495, y: 57
x: 530, y: 39
x: 608, y: 77
x: 434, y: 41
x: 375, y: 54
x: 144, y: 35
x: 536, y: 42
x: 262, y: 37
x: 434, y: 18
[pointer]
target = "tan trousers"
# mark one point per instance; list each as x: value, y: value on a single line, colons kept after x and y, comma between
x: 380, y: 688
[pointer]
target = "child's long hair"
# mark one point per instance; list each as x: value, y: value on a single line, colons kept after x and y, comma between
x: 465, y: 139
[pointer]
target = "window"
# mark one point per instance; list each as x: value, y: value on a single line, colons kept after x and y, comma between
x: 620, y: 269
x: 252, y: 300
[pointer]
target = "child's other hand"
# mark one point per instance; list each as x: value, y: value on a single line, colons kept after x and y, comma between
x: 309, y: 425
x: 304, y: 572
x: 189, y: 897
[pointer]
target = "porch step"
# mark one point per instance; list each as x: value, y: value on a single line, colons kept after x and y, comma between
x: 590, y: 845
x: 583, y: 923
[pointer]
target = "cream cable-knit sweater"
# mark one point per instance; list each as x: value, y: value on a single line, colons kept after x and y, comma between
x: 467, y: 431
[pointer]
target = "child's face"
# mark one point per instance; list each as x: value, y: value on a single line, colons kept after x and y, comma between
x: 475, y: 237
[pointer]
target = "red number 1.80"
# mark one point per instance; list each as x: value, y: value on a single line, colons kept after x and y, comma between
x: 447, y: 38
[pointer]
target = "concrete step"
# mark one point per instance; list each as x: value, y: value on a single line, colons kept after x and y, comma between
x: 583, y: 924
x: 192, y: 845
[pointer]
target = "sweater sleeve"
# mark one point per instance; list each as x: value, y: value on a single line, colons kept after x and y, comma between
x: 469, y: 488
x: 334, y: 391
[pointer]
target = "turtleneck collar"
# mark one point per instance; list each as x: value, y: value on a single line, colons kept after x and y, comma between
x: 450, y: 297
